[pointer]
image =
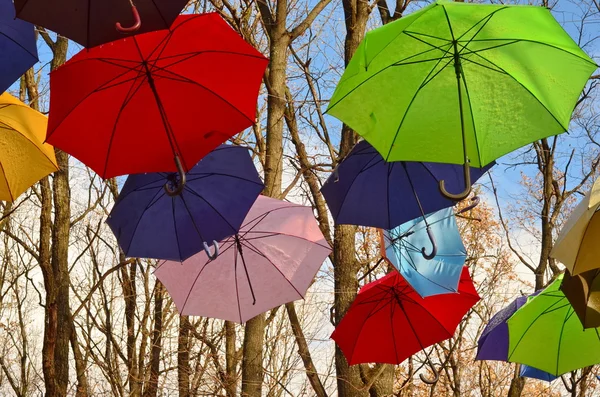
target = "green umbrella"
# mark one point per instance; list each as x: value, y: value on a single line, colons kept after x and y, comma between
x: 547, y: 334
x: 462, y: 83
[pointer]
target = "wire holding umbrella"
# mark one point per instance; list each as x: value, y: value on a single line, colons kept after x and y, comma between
x: 439, y: 86
x: 272, y: 260
x: 366, y: 190
x: 388, y: 321
x: 150, y: 223
x: 127, y: 96
x: 428, y: 276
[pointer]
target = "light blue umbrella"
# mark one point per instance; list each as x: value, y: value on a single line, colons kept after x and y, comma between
x: 429, y: 274
x: 531, y: 372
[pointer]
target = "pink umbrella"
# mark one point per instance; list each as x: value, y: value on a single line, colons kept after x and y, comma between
x: 271, y: 261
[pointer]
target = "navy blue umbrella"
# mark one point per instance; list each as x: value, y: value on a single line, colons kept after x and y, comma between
x: 534, y: 373
x: 18, y: 51
x: 220, y: 190
x: 368, y: 191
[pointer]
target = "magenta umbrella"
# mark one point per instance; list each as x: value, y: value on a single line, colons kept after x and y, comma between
x: 272, y: 260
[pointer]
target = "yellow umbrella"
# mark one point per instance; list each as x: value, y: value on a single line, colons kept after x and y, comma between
x: 24, y: 158
x: 578, y: 244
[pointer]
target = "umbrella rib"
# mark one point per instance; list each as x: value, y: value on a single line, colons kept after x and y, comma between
x: 159, y: 12
x: 527, y: 89
x: 392, y: 312
x: 487, y: 18
x: 19, y: 44
x: 130, y: 94
x: 484, y: 66
x: 94, y: 91
x: 198, y: 195
x: 273, y: 234
x: 192, y: 218
x: 562, y: 328
x: 211, y: 174
x: 540, y: 43
x: 197, y: 277
x: 262, y: 216
x: 251, y: 247
x: 10, y: 127
x: 183, y: 79
x: 189, y: 55
x: 153, y: 201
x: 12, y: 198
x: 237, y: 291
x: 394, y: 39
x: 373, y: 311
x: 529, y: 326
x: 410, y: 104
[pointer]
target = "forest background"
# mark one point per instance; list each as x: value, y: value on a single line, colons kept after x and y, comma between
x: 78, y: 318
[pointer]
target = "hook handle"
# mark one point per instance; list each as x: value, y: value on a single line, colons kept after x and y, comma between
x: 182, y: 179
x: 433, y: 250
x: 214, y: 255
x: 436, y: 373
x: 474, y: 203
x: 137, y: 24
x: 462, y: 195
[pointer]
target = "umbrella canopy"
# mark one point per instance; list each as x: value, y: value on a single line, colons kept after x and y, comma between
x: 24, y: 158
x: 18, y: 50
x: 583, y: 292
x: 462, y: 83
x: 368, y: 191
x: 271, y: 261
x: 146, y: 99
x: 93, y: 22
x: 388, y: 321
x: 529, y: 372
x: 547, y: 334
x: 404, y: 249
x: 493, y: 342
x: 221, y: 188
x: 577, y: 243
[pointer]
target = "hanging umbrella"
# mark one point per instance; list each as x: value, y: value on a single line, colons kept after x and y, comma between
x: 221, y: 188
x: 529, y: 372
x: 583, y: 292
x: 493, y: 342
x: 388, y: 321
x: 94, y: 22
x: 24, y: 159
x: 441, y: 273
x: 577, y: 243
x: 368, y: 191
x: 156, y: 102
x: 547, y: 334
x: 18, y: 50
x: 462, y: 83
x: 271, y: 261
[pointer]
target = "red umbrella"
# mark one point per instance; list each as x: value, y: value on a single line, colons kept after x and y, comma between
x: 388, y: 321
x: 133, y: 105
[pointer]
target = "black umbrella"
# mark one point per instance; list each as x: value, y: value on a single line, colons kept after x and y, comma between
x: 94, y: 22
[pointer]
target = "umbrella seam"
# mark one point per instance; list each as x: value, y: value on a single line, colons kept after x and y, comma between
x: 19, y: 44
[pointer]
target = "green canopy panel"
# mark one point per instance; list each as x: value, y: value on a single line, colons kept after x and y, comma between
x: 520, y: 77
x: 547, y: 334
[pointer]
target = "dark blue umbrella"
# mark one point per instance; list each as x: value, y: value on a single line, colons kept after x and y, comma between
x: 368, y: 191
x: 493, y: 342
x: 219, y: 192
x: 18, y: 51
x: 530, y: 372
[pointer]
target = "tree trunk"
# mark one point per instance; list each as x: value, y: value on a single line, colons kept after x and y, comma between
x: 230, y: 360
x: 152, y: 389
x: 252, y: 368
x: 517, y: 384
x: 183, y: 357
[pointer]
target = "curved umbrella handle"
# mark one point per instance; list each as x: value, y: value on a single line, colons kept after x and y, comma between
x: 474, y: 203
x: 137, y: 24
x: 214, y: 255
x: 182, y: 179
x: 433, y: 250
x: 436, y: 373
x: 462, y: 195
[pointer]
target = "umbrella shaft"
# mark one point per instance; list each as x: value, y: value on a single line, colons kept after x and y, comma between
x: 458, y: 71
